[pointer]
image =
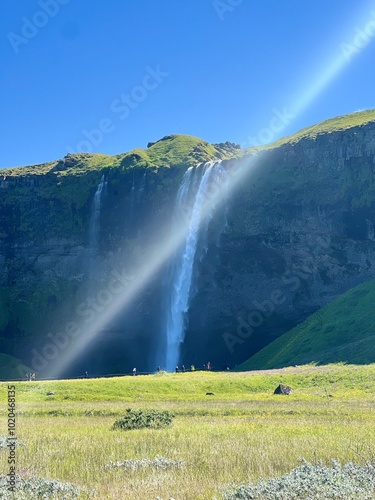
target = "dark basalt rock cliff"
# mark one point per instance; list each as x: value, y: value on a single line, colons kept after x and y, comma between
x: 299, y: 232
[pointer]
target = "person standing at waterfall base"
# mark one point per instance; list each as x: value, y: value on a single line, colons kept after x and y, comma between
x: 134, y: 372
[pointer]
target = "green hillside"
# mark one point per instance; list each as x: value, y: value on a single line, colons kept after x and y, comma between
x: 180, y: 149
x: 176, y: 149
x: 336, y: 124
x: 343, y: 331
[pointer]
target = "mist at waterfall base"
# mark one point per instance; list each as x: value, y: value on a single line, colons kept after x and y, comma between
x: 146, y: 345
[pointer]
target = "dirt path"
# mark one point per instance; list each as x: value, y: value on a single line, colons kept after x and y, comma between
x: 290, y: 369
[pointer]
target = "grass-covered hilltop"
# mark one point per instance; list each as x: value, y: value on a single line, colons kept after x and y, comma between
x: 295, y: 234
x: 170, y: 151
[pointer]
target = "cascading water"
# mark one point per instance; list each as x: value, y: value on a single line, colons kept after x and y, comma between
x: 137, y: 199
x: 132, y: 197
x: 195, y: 204
x: 142, y: 187
x: 95, y: 217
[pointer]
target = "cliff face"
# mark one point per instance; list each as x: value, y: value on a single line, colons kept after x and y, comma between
x: 299, y: 232
x: 52, y: 275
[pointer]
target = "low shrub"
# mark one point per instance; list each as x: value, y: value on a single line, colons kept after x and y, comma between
x: 33, y: 487
x: 143, y: 463
x: 139, y: 419
x: 313, y: 482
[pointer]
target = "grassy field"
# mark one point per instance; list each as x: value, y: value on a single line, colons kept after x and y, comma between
x: 237, y: 435
x: 342, y: 331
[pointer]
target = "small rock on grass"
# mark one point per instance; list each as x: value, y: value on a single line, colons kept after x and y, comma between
x: 283, y: 389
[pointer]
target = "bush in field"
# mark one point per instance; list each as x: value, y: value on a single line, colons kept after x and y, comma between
x: 32, y: 488
x: 143, y: 463
x: 139, y: 419
x: 310, y: 482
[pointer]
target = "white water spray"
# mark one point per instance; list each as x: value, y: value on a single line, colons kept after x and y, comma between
x: 195, y: 205
x: 95, y: 217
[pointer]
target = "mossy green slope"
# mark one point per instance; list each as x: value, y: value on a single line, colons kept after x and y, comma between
x: 342, y: 331
x: 336, y: 124
x: 180, y: 149
x: 171, y: 150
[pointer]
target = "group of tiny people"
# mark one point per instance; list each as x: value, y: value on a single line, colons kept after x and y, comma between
x: 192, y: 368
x: 178, y: 369
x: 31, y: 376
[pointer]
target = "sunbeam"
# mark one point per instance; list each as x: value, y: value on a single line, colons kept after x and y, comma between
x: 347, y: 50
x: 165, y: 249
x: 151, y: 264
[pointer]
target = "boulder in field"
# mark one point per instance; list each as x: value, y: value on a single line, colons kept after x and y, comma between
x: 283, y: 389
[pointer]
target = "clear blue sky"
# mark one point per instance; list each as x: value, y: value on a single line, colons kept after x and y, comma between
x: 223, y: 71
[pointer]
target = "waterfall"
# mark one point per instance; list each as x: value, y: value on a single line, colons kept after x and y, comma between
x: 132, y: 196
x: 142, y: 187
x: 137, y: 201
x: 195, y: 204
x: 95, y: 217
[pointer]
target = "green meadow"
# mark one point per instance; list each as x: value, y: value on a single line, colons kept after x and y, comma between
x: 240, y: 433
